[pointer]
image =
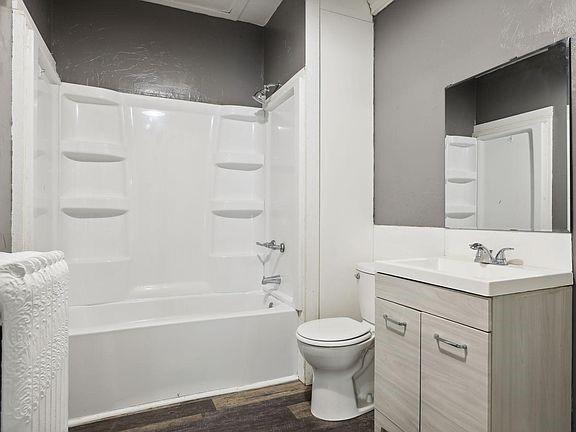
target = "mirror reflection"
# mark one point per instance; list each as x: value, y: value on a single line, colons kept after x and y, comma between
x: 507, y: 146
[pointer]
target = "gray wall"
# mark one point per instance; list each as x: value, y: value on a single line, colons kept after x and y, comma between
x: 420, y: 48
x: 41, y: 11
x: 460, y: 113
x: 5, y: 125
x: 139, y: 47
x: 285, y: 42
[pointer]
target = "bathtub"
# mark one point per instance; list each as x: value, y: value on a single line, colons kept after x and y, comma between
x: 132, y: 355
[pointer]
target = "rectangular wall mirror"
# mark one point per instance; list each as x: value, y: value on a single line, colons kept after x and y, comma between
x: 507, y: 149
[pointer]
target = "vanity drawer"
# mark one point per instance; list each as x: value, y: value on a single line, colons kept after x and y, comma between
x: 455, y: 379
x: 471, y: 310
x: 382, y: 424
x: 397, y: 389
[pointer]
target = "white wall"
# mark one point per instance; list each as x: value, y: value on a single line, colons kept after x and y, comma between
x: 346, y: 151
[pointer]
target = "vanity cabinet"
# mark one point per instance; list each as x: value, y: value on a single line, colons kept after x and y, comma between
x: 448, y: 361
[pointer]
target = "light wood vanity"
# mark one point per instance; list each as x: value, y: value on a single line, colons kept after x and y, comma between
x: 449, y: 361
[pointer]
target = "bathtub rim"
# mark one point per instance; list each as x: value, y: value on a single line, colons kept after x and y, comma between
x: 80, y: 421
x: 280, y: 307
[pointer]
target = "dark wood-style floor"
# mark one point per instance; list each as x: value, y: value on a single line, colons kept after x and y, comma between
x: 282, y: 408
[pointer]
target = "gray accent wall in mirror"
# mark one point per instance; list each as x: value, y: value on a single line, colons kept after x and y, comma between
x: 507, y: 149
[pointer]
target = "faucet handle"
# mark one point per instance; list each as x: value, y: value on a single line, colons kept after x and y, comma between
x: 501, y: 256
x: 483, y: 254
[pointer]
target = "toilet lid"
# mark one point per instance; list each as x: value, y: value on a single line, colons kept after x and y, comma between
x: 334, y: 330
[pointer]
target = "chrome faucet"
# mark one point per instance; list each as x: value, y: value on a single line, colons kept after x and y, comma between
x: 276, y: 280
x: 484, y: 255
x: 272, y: 245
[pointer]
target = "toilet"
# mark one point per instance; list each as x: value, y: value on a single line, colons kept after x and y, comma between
x: 341, y: 354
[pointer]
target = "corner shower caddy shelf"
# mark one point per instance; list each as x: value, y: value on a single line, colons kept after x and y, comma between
x: 98, y: 97
x: 462, y: 142
x: 460, y: 176
x: 94, y: 207
x: 460, y: 211
x: 89, y: 151
x: 238, y: 209
x: 239, y: 161
x: 233, y: 114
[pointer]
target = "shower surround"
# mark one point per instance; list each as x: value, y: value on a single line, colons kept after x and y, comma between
x: 161, y: 203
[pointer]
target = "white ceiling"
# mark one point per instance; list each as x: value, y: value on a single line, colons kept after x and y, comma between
x: 252, y: 11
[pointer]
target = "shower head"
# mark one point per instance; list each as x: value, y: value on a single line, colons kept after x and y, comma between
x: 261, y: 95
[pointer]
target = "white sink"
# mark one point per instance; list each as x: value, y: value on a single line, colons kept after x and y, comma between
x: 468, y: 276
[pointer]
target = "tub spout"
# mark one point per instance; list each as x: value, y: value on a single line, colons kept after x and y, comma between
x: 277, y: 280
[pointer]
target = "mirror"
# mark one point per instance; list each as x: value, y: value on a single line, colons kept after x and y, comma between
x: 507, y: 156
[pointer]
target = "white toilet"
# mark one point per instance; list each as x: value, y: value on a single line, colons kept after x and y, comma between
x: 341, y: 353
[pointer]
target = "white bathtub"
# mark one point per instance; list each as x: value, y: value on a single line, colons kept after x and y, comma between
x: 131, y: 355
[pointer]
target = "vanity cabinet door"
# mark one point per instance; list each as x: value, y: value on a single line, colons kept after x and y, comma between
x: 382, y: 424
x: 455, y: 377
x: 397, y: 392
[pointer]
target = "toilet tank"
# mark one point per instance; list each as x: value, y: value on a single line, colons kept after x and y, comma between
x: 366, y: 284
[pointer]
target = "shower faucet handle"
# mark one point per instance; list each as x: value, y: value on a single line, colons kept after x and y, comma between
x: 273, y: 246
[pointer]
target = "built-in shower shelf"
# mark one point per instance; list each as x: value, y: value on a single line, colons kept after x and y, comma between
x: 238, y: 209
x: 93, y: 207
x: 249, y: 117
x: 97, y: 97
x: 459, y: 176
x: 460, y: 211
x: 89, y: 151
x: 240, y: 161
x: 461, y: 141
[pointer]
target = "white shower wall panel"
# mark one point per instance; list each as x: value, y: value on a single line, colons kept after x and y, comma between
x: 95, y: 116
x: 159, y: 197
x: 45, y: 165
x: 79, y: 178
x: 285, y: 207
x: 170, y: 189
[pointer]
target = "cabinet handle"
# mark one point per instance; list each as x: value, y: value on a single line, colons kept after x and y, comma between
x: 449, y: 342
x: 393, y: 321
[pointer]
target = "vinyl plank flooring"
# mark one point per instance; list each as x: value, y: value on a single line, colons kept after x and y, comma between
x: 251, y: 397
x: 300, y: 410
x: 282, y: 408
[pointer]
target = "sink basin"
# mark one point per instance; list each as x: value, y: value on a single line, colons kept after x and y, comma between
x: 468, y: 276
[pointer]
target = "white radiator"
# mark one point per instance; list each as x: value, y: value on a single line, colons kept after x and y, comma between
x: 34, y: 314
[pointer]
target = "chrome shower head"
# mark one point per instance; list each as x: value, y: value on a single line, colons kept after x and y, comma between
x: 261, y: 95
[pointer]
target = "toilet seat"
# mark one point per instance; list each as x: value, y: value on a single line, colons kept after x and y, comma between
x: 333, y: 332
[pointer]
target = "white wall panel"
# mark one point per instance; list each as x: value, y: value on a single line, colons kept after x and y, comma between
x: 346, y: 155
x: 397, y: 242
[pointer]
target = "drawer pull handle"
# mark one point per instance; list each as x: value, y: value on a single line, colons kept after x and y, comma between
x: 449, y: 342
x: 393, y: 321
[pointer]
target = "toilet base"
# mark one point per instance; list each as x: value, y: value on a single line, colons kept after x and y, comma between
x: 342, y: 394
x: 334, y: 398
